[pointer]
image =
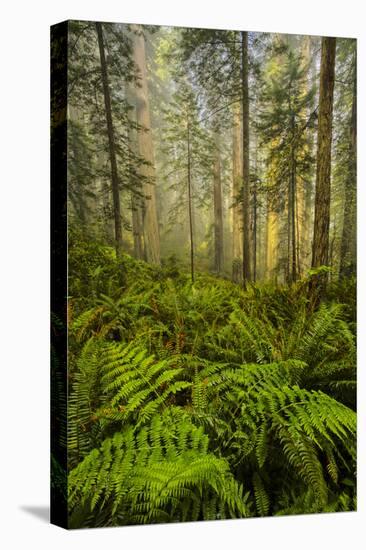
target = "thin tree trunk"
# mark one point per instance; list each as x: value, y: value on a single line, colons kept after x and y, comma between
x: 246, y: 182
x: 237, y: 240
x: 306, y: 221
x: 288, y: 259
x: 348, y: 243
x: 137, y: 228
x: 299, y: 225
x: 331, y: 251
x: 255, y: 234
x: 255, y: 208
x: 272, y: 240
x: 146, y: 150
x: 323, y: 169
x: 300, y: 184
x: 293, y: 228
x: 136, y: 199
x: 78, y: 198
x: 189, y: 185
x: 111, y: 141
x: 218, y: 218
x: 137, y: 224
x: 108, y: 222
x: 293, y: 203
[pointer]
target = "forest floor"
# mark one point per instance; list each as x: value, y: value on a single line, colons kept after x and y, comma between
x: 204, y: 400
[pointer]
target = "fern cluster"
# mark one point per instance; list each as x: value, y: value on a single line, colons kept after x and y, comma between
x: 162, y: 472
x: 205, y: 401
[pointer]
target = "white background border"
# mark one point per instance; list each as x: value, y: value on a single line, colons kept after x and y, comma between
x: 24, y: 273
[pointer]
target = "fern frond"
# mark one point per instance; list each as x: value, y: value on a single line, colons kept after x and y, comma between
x: 135, y: 384
x: 83, y: 401
x: 161, y: 473
x: 261, y: 496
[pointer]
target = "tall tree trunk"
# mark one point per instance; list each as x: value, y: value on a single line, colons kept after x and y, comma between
x: 272, y: 229
x: 255, y: 208
x: 111, y: 142
x: 218, y: 217
x: 292, y: 205
x: 348, y: 242
x: 146, y: 150
x: 136, y: 199
x: 255, y: 213
x: 300, y: 224
x: 246, y: 182
x: 323, y: 168
x: 137, y: 223
x: 288, y: 259
x: 237, y: 240
x: 307, y: 190
x: 189, y: 186
x: 272, y: 234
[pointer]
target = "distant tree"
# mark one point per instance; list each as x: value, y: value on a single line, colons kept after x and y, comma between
x: 220, y: 62
x: 218, y: 208
x: 89, y: 143
x: 80, y: 172
x: 237, y: 161
x: 346, y: 154
x: 246, y: 181
x: 189, y: 150
x: 282, y: 123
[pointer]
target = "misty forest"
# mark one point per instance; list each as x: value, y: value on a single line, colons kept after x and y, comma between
x: 212, y: 274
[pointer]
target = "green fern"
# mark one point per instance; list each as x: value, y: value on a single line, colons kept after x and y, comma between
x: 180, y: 395
x: 84, y: 400
x: 136, y: 385
x: 313, y: 338
x: 162, y: 472
x: 261, y: 497
x: 262, y: 411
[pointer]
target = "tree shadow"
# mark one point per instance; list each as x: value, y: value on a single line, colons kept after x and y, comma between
x: 40, y: 512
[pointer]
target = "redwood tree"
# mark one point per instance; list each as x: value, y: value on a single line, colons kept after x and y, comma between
x: 146, y: 150
x: 111, y: 143
x: 323, y: 168
x: 246, y: 182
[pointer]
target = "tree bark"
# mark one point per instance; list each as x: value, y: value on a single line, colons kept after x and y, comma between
x: 272, y: 234
x: 237, y: 239
x: 218, y: 217
x: 348, y: 243
x: 136, y: 199
x: 146, y: 150
x: 137, y: 224
x: 189, y: 186
x: 245, y: 137
x: 292, y: 205
x: 105, y: 198
x: 255, y: 213
x: 306, y: 192
x: 111, y: 141
x: 323, y: 169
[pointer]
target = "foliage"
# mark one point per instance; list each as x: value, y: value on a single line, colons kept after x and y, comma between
x: 205, y: 401
x: 189, y: 397
x: 162, y: 472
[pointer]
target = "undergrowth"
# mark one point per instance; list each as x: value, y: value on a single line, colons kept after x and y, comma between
x: 205, y: 401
